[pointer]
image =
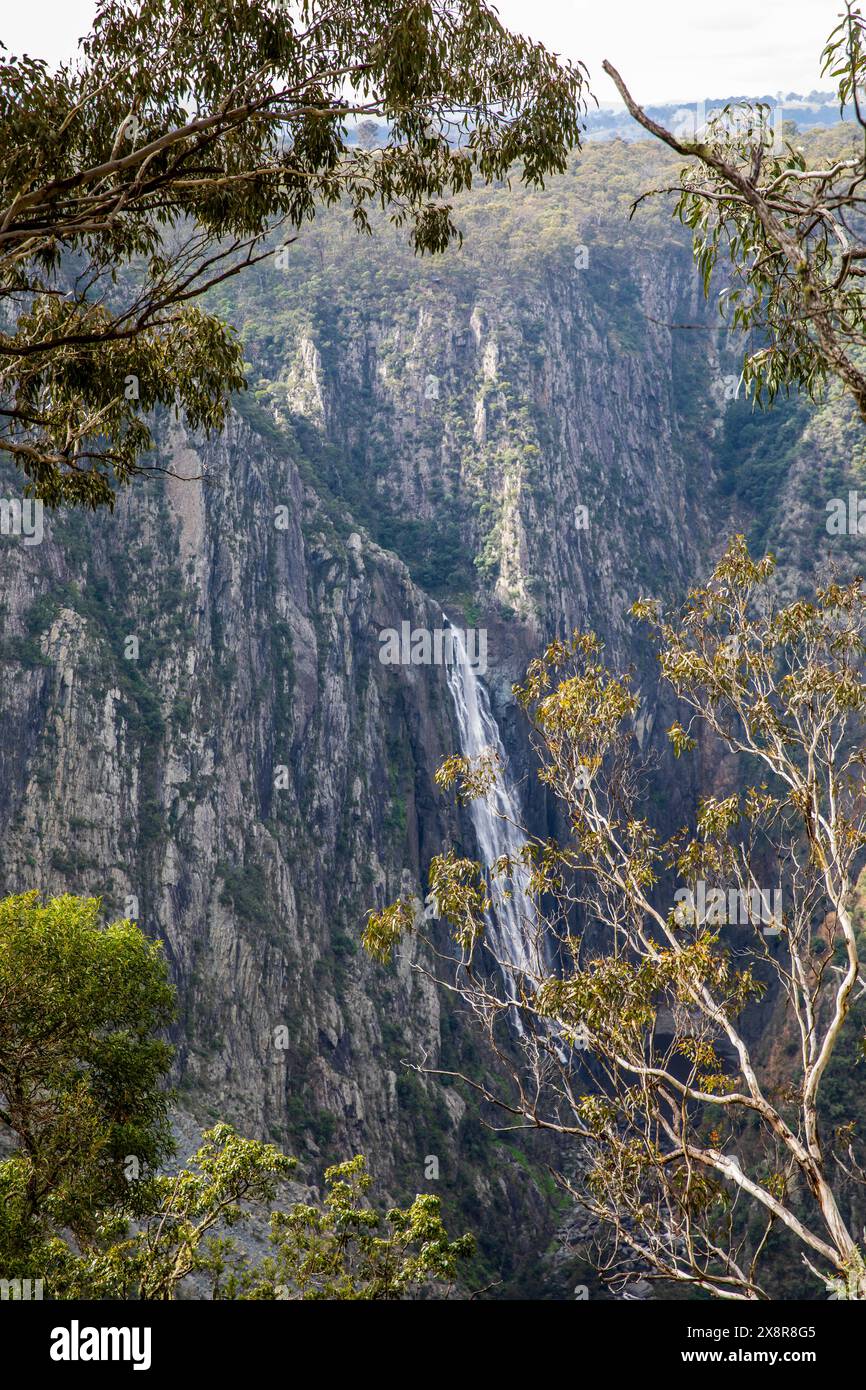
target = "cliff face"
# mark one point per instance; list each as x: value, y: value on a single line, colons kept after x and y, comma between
x: 197, y: 724
x: 198, y: 728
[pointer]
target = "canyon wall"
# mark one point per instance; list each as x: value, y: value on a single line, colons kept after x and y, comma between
x: 197, y: 725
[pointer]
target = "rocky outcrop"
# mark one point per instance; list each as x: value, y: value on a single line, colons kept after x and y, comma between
x: 197, y: 725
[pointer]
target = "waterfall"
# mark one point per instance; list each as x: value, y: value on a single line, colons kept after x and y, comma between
x: 510, y: 920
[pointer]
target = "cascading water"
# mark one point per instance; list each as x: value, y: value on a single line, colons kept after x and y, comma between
x: 496, y: 816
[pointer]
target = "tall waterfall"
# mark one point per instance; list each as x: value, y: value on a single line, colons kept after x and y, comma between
x: 510, y: 923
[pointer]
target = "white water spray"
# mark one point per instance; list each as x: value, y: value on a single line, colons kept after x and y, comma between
x: 495, y: 817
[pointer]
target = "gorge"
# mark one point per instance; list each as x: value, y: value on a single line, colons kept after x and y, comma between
x: 254, y: 779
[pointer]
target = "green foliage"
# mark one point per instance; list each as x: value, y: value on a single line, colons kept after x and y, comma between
x: 340, y: 1249
x: 27, y: 649
x: 187, y: 134
x: 785, y: 230
x: 80, y: 1067
x: 385, y: 929
x: 81, y: 1200
x: 458, y: 887
x: 246, y: 890
x: 180, y: 1233
x: 754, y: 451
x: 345, y: 1250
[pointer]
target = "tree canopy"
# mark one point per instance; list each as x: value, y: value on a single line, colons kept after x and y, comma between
x: 82, y: 1067
x: 188, y: 141
x: 86, y: 1203
x: 787, y: 233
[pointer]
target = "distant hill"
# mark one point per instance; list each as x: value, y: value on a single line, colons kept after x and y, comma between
x: 613, y: 122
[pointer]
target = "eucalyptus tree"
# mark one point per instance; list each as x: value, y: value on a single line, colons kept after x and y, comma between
x: 638, y: 1042
x: 82, y: 1070
x: 192, y: 138
x: 339, y: 1247
x: 88, y: 1203
x: 788, y: 233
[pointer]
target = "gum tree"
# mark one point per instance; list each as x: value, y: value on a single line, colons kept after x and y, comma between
x: 635, y: 1042
x: 82, y: 1069
x: 188, y: 141
x: 184, y: 1236
x: 787, y: 234
x: 342, y: 1248
x: 86, y: 1203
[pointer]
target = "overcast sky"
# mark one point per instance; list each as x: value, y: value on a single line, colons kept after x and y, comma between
x: 667, y: 50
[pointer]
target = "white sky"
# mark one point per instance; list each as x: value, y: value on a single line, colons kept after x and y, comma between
x: 667, y: 50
